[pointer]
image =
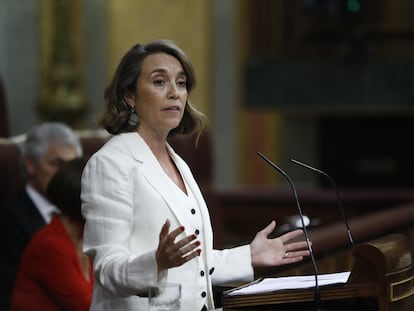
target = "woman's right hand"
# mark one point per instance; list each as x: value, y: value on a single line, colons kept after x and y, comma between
x: 171, y: 254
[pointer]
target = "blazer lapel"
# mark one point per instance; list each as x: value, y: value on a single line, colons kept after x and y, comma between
x: 153, y: 172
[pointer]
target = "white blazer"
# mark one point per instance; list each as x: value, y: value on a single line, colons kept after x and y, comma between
x: 127, y: 197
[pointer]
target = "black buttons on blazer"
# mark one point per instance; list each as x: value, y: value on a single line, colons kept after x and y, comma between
x: 203, y: 294
x: 211, y: 271
x: 197, y: 232
x: 193, y: 211
x: 202, y: 273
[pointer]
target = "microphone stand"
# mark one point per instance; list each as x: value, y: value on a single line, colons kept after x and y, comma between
x: 317, y: 293
x: 338, y: 197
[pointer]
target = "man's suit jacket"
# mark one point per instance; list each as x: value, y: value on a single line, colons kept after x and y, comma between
x: 127, y: 197
x: 19, y: 220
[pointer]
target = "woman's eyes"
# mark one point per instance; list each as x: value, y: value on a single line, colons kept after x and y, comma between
x: 180, y: 83
x: 159, y: 82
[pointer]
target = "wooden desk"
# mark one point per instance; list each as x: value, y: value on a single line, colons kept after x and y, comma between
x: 381, y: 279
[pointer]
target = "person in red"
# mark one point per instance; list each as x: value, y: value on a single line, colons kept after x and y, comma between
x: 54, y: 274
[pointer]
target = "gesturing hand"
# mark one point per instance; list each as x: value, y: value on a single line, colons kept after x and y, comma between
x: 171, y: 254
x: 277, y: 251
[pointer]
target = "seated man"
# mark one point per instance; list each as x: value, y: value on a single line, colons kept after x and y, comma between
x: 46, y: 147
x: 54, y: 274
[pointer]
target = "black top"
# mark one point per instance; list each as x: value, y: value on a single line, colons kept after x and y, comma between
x: 19, y: 220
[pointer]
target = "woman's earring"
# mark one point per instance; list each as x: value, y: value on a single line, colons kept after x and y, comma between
x: 133, y: 118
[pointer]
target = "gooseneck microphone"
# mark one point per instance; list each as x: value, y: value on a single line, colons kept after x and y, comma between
x: 338, y: 197
x: 317, y: 294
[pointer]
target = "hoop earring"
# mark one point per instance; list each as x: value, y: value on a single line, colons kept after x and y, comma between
x: 133, y: 118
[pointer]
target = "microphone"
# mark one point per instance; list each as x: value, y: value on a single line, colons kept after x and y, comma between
x: 317, y: 294
x: 338, y: 197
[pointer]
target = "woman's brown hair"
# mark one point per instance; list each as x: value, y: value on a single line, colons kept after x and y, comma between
x: 64, y: 188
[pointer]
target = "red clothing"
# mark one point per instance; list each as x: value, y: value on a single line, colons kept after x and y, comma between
x: 50, y: 275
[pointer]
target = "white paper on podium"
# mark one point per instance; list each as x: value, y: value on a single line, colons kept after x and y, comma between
x: 268, y: 285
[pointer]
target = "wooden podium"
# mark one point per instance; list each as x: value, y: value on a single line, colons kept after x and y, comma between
x: 382, y: 278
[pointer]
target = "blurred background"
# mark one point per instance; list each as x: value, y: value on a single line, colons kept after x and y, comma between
x: 327, y: 82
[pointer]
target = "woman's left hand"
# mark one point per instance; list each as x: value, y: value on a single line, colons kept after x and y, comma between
x: 277, y: 251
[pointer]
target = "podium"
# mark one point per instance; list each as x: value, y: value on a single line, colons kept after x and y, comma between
x: 381, y: 278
